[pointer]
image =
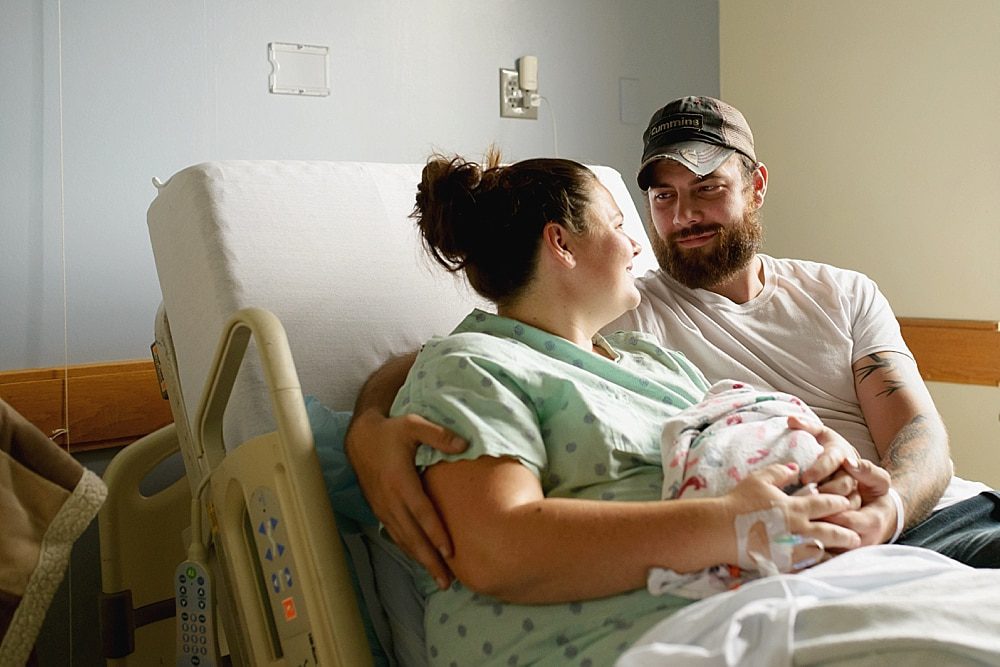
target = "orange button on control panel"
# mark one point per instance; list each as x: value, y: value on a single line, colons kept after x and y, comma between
x: 289, y: 605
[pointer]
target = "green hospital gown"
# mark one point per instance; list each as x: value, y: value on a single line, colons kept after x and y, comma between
x: 587, y: 427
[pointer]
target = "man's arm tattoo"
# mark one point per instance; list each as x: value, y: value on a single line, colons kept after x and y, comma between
x: 877, y: 363
x: 892, y: 386
x: 900, y: 455
x: 880, y: 363
x: 906, y: 458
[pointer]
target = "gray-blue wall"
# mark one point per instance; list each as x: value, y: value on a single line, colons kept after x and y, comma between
x: 100, y: 97
x: 97, y: 98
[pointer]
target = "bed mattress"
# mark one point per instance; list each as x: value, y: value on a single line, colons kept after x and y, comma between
x: 326, y: 246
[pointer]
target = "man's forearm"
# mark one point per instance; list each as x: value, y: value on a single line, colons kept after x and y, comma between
x: 381, y: 450
x: 906, y: 428
x: 920, y: 467
x: 380, y: 390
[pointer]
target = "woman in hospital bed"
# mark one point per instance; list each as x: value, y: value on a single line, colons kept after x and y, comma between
x: 555, y: 507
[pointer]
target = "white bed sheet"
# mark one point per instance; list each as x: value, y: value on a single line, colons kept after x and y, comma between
x: 875, y: 606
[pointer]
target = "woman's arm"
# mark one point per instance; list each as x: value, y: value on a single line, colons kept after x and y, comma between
x: 381, y: 450
x: 514, y: 544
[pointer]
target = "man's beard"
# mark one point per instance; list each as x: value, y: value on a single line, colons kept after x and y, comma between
x: 705, y: 267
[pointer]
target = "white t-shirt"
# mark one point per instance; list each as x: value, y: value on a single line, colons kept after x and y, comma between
x: 801, y: 335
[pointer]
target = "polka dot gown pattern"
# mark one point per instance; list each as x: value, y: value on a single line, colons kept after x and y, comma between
x: 587, y: 427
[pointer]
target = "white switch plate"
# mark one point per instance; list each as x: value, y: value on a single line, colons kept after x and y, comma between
x: 299, y: 69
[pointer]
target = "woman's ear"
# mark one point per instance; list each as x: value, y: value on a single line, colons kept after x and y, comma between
x: 555, y: 243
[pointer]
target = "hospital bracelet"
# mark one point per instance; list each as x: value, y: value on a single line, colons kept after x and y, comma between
x: 898, y: 502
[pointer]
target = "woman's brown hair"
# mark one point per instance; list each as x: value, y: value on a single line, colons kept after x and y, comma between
x: 487, y: 219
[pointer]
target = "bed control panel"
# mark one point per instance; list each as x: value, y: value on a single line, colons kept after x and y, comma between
x: 280, y: 578
x: 196, y: 645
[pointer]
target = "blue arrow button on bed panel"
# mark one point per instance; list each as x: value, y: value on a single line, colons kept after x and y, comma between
x: 281, y: 550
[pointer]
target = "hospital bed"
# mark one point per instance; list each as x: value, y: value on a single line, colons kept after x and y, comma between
x: 284, y: 284
x: 279, y: 279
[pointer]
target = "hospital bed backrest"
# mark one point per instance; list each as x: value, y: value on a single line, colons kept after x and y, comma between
x: 329, y: 248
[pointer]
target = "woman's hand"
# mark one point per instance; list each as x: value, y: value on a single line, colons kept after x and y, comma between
x: 804, y: 515
x: 381, y: 449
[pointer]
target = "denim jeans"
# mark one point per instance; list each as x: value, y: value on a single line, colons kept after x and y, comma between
x: 968, y: 531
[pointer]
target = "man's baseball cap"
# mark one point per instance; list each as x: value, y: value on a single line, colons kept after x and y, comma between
x: 700, y: 133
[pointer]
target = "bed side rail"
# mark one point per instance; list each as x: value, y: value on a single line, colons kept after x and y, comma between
x: 137, y: 594
x: 275, y: 534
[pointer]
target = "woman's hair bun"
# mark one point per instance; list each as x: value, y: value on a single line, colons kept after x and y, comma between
x: 487, y: 220
x: 446, y: 207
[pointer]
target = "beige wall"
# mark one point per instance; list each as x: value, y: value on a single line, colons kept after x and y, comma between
x: 880, y: 124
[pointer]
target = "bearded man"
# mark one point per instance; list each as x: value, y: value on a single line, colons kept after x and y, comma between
x: 824, y: 334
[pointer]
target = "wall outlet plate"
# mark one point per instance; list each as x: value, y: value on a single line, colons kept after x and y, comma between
x: 512, y: 97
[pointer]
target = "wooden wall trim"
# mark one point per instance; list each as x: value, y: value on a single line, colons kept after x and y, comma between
x: 101, y: 405
x: 959, y: 351
x: 114, y: 403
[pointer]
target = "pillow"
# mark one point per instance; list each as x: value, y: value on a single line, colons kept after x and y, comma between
x: 393, y: 609
x: 351, y: 512
x: 329, y: 428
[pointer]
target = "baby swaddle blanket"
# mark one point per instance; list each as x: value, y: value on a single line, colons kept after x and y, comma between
x: 710, y: 447
x: 735, y: 429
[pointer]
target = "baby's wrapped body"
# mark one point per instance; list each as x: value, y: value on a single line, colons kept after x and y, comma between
x: 710, y: 447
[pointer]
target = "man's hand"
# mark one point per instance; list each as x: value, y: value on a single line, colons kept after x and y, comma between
x: 839, y: 468
x: 381, y: 449
x: 875, y: 521
x: 828, y: 472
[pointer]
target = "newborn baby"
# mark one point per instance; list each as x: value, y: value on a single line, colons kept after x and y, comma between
x: 735, y: 429
x: 708, y: 448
